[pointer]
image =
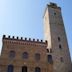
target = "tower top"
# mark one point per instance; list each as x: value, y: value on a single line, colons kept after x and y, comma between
x: 53, y: 5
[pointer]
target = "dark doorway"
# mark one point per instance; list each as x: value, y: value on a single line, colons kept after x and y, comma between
x: 37, y: 69
x: 10, y: 68
x: 24, y: 69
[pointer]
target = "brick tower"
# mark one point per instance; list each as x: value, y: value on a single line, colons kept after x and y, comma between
x: 54, y: 33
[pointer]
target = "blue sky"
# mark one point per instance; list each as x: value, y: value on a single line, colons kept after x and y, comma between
x: 25, y: 18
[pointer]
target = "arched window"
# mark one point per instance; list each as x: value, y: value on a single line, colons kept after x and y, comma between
x: 11, y: 54
x: 10, y: 68
x: 25, y: 55
x: 37, y: 69
x: 37, y: 56
x: 24, y: 69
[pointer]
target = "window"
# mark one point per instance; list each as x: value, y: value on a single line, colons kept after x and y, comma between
x: 61, y: 59
x: 25, y: 55
x: 24, y: 69
x: 60, y: 46
x: 54, y: 13
x: 59, y: 39
x: 37, y: 69
x: 37, y: 56
x: 49, y: 58
x: 12, y: 54
x: 10, y: 68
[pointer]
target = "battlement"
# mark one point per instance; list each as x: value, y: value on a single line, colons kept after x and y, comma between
x: 53, y: 5
x: 23, y: 39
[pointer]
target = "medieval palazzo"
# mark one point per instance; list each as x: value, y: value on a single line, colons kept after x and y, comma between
x: 27, y: 55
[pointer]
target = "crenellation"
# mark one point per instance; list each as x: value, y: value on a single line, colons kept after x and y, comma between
x: 17, y: 37
x: 13, y: 38
x: 46, y: 42
x: 29, y: 39
x: 25, y: 39
x: 21, y: 38
x: 41, y: 40
x: 4, y: 36
x: 53, y: 5
x: 33, y: 39
x: 9, y: 36
x: 37, y: 40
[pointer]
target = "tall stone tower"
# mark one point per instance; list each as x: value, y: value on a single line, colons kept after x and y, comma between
x: 54, y: 33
